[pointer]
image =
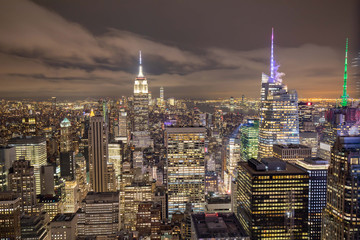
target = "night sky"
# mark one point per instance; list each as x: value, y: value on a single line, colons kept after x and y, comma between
x: 195, y: 49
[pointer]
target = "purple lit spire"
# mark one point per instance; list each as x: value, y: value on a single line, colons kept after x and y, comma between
x: 272, y: 62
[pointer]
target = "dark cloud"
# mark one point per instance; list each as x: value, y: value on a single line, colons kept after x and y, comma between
x: 56, y: 50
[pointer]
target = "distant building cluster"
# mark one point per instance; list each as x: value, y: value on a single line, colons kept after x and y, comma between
x: 170, y: 169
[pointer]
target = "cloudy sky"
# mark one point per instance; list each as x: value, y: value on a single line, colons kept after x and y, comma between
x: 196, y: 49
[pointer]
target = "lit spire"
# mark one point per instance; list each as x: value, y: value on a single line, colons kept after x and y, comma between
x: 272, y: 75
x: 140, y: 66
x: 345, y: 96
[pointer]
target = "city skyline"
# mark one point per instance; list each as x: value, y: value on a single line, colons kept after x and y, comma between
x: 54, y: 50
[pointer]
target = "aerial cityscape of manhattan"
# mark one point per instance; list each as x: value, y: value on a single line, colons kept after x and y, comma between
x: 179, y: 119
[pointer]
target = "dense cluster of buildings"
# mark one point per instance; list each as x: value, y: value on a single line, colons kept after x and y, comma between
x: 145, y: 168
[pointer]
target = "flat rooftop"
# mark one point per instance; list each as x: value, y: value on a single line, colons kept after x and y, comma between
x: 185, y: 129
x: 219, y: 199
x: 290, y: 146
x: 101, y: 197
x: 217, y: 225
x: 27, y: 140
x: 64, y: 217
x: 260, y: 168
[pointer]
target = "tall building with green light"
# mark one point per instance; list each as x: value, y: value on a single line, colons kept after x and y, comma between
x: 345, y: 96
x: 249, y: 137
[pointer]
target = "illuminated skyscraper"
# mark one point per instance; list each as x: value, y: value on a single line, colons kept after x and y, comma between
x: 317, y: 170
x: 99, y: 215
x: 98, y: 151
x: 65, y: 136
x: 67, y: 156
x: 279, y: 121
x: 10, y: 212
x: 81, y: 176
x: 185, y: 168
x: 22, y: 181
x: 249, y: 137
x: 162, y: 101
x: 115, y: 150
x: 231, y: 104
x: 122, y: 125
x: 341, y: 121
x: 345, y: 96
x: 47, y: 180
x: 7, y: 157
x: 341, y: 219
x: 356, y: 75
x: 32, y: 149
x: 232, y: 158
x: 72, y: 191
x: 272, y: 199
x: 141, y: 102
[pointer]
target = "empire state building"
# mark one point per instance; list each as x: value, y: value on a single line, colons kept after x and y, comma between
x: 141, y: 102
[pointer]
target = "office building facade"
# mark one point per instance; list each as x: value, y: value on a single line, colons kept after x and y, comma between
x: 185, y: 156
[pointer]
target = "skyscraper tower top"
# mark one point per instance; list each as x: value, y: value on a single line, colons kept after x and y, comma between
x: 141, y: 84
x: 65, y: 123
x: 140, y: 75
x: 345, y: 96
x: 272, y: 55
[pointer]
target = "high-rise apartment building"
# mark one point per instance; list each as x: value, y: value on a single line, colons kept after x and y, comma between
x: 279, y: 123
x: 185, y: 166
x: 98, y: 153
x: 317, y: 169
x: 141, y: 102
x: 10, y: 212
x: 249, y: 137
x: 99, y: 215
x: 341, y: 219
x: 22, y: 181
x: 272, y: 199
x: 32, y: 149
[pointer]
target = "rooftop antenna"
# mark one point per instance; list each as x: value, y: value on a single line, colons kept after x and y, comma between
x: 272, y: 55
x: 140, y: 66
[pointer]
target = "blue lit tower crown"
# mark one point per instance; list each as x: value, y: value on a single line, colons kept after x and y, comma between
x: 279, y: 120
